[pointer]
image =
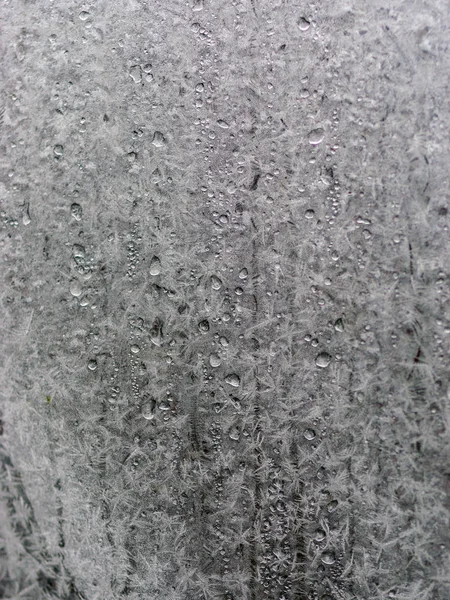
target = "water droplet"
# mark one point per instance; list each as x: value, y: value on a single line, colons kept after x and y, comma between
x: 332, y: 506
x: 223, y: 341
x: 309, y: 214
x: 197, y: 6
x: 339, y: 325
x: 328, y: 557
x: 223, y: 124
x: 135, y: 348
x: 158, y: 139
x: 147, y: 411
x: 303, y: 24
x: 233, y: 380
x: 323, y: 360
x: 238, y: 291
x: 135, y: 73
x: 76, y: 211
x: 203, y: 326
x: 155, y: 266
x: 75, y: 288
x: 58, y: 150
x: 216, y: 283
x: 92, y: 364
x: 83, y: 15
x: 223, y: 219
x: 309, y: 434
x: 26, y: 219
x: 316, y: 136
x: 78, y: 251
x: 319, y: 535
x: 234, y: 433
x: 215, y: 360
x: 243, y: 273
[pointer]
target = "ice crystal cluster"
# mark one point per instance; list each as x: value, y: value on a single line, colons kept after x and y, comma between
x: 225, y: 315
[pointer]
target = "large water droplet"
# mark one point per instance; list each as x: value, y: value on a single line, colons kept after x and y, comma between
x: 158, y: 139
x: 147, y: 411
x: 135, y: 73
x: 316, y: 136
x: 303, y: 24
x: 234, y: 433
x: 78, y: 251
x: 223, y: 124
x: 233, y: 380
x: 203, y: 326
x: 26, y: 219
x: 75, y: 288
x: 135, y: 349
x: 328, y: 557
x: 339, y: 325
x: 332, y: 505
x: 309, y: 434
x: 215, y: 360
x: 155, y: 266
x: 243, y: 273
x: 76, y: 211
x: 323, y: 360
x: 319, y: 535
x: 92, y: 364
x: 216, y: 283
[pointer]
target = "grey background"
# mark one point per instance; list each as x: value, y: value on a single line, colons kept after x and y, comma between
x: 224, y: 289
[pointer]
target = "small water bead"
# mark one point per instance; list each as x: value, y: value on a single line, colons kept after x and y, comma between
x: 76, y: 211
x: 58, y: 150
x: 135, y: 349
x: 223, y: 219
x: 223, y: 341
x: 155, y: 266
x: 309, y: 434
x: 216, y: 283
x: 75, y: 288
x: 323, y: 360
x: 92, y: 364
x: 238, y: 291
x: 158, y: 139
x: 223, y: 124
x: 243, y: 274
x: 309, y: 214
x: 215, y: 360
x: 203, y: 326
x: 316, y: 136
x: 233, y: 380
x: 84, y: 15
x: 328, y: 557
